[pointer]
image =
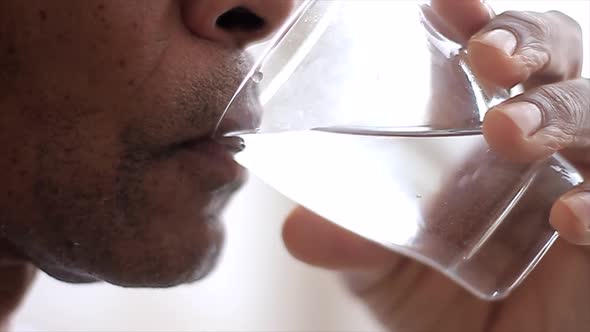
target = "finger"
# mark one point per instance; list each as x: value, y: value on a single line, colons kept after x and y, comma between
x: 399, y: 291
x: 570, y: 216
x: 321, y: 243
x: 466, y: 17
x: 579, y: 157
x: 519, y: 47
x: 541, y: 121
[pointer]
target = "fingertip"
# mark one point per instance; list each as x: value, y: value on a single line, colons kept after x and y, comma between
x: 301, y: 225
x: 502, y: 135
x: 468, y: 16
x: 494, y: 65
x: 506, y: 138
x: 565, y: 218
x: 295, y: 236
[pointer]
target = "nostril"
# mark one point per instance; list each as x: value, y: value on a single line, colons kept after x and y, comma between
x: 240, y: 19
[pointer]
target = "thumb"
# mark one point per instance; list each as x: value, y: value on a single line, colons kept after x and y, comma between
x: 397, y: 290
x: 319, y: 242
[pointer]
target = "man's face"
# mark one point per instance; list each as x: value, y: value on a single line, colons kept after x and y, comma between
x: 106, y: 107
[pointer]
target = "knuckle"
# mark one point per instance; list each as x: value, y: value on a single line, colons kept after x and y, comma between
x: 564, y: 107
x: 570, y: 38
x: 546, y: 39
x: 528, y: 25
x: 534, y: 35
x: 560, y: 19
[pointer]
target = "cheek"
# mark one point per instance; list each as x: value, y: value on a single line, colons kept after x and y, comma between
x: 17, y: 179
x: 18, y: 164
x: 72, y: 199
x: 61, y: 172
x: 102, y: 48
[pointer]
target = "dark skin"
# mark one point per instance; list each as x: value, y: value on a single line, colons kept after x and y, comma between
x: 108, y: 174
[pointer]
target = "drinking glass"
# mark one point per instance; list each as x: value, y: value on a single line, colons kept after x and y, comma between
x: 371, y: 118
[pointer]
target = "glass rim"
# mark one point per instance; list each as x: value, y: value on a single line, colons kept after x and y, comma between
x: 274, y: 42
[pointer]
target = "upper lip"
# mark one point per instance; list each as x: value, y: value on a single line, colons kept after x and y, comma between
x: 231, y: 144
x: 243, y: 114
x: 203, y: 119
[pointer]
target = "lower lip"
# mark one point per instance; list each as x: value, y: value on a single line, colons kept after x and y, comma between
x: 214, y: 155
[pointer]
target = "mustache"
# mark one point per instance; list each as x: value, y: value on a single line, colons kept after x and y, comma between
x: 190, y: 108
x: 206, y: 100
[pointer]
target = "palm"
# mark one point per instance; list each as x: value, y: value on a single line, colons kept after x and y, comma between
x: 416, y: 298
x: 413, y: 297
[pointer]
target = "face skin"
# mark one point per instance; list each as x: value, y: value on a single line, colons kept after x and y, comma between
x: 106, y: 109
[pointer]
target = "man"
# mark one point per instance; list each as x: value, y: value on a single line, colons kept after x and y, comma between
x: 108, y: 173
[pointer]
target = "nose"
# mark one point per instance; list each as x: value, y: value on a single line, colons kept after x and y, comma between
x: 235, y: 23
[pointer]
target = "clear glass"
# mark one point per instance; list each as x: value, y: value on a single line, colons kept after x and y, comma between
x: 372, y: 119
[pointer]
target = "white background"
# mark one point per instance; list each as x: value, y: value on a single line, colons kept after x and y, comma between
x: 257, y: 286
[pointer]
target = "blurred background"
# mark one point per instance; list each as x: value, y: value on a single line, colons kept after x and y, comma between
x: 257, y: 285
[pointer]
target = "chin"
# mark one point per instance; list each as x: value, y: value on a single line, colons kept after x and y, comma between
x: 153, y: 259
x: 189, y: 257
x: 164, y: 279
x: 162, y: 229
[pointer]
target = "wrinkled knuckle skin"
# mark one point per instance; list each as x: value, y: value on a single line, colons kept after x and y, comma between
x: 564, y: 106
x: 534, y: 36
x: 529, y: 26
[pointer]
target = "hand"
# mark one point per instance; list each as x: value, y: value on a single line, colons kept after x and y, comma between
x: 543, y: 51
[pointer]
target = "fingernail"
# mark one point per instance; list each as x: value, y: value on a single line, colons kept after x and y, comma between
x: 579, y: 205
x: 525, y: 115
x: 500, y: 39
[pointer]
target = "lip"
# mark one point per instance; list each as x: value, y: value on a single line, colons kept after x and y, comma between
x: 243, y: 114
x: 215, y: 155
x: 212, y: 147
